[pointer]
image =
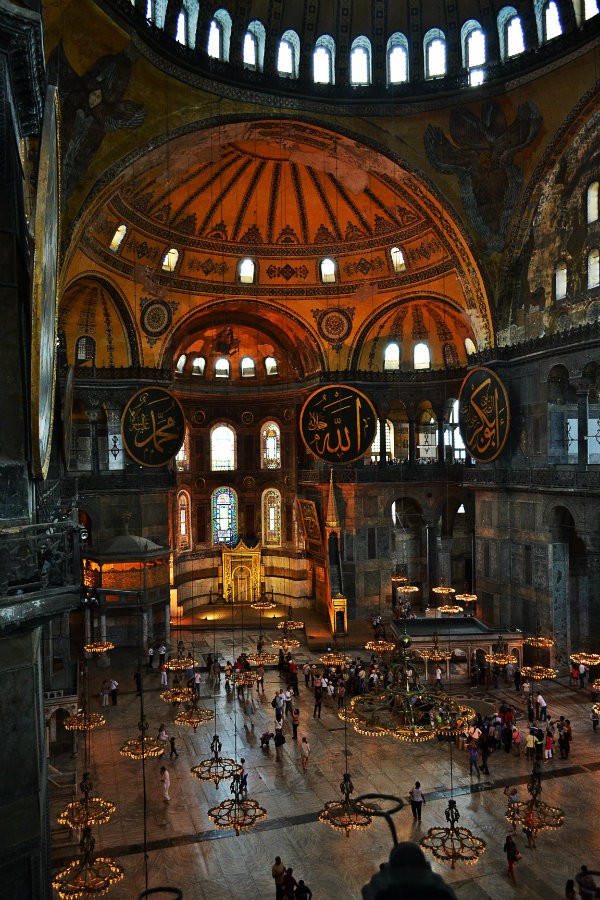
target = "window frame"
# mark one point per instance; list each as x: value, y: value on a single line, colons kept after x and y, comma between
x: 361, y: 42
x: 233, y: 505
x: 230, y: 455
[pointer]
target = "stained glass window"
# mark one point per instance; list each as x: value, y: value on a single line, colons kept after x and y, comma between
x: 183, y: 531
x: 271, y: 518
x: 271, y: 446
x: 224, y: 516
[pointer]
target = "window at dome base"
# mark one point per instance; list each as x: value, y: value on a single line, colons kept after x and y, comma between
x: 322, y: 64
x: 224, y: 516
x: 515, y: 43
x: 219, y: 35
x: 118, y: 238
x: 552, y: 26
x: 288, y: 54
x: 327, y: 271
x: 434, y: 45
x: 474, y: 52
x: 181, y: 32
x: 360, y: 61
x: 247, y: 367
x: 391, y: 357
x: 421, y: 356
x: 170, y: 259
x: 590, y: 9
x: 397, y: 59
x: 270, y: 365
x: 254, y: 46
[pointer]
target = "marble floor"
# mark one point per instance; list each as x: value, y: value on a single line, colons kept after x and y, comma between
x: 185, y: 851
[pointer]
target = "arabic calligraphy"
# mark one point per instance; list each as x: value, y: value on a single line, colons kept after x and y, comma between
x: 484, y: 414
x: 153, y: 426
x: 338, y: 423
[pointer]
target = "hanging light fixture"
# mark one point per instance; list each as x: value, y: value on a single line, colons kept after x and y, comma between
x: 434, y: 653
x: 500, y: 655
x: 346, y: 814
x: 180, y: 662
x: 99, y: 647
x: 89, y: 875
x: 88, y: 810
x: 379, y: 647
x: 143, y: 747
x: 466, y: 598
x: 216, y: 768
x: 586, y: 658
x: 443, y: 590
x: 539, y: 641
x: 84, y: 721
x: 179, y: 693
x: 336, y: 658
x: 262, y: 657
x: 194, y: 716
x: 453, y: 843
x: 534, y: 815
x: 538, y: 673
x: 239, y: 811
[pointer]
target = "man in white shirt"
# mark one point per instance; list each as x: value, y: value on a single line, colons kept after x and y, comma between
x: 582, y: 671
x: 438, y: 680
x: 543, y: 708
x: 166, y: 783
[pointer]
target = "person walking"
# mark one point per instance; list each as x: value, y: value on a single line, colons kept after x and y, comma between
x: 595, y: 718
x: 543, y: 708
x: 104, y: 692
x: 150, y: 657
x: 485, y: 745
x: 417, y: 799
x: 341, y: 694
x: 260, y: 680
x: 164, y: 677
x: 289, y: 711
x: 295, y: 723
x: 289, y: 885
x: 173, y: 748
x: 278, y: 873
x: 162, y: 652
x: 511, y: 795
x: 474, y: 759
x: 279, y: 739
x: 303, y: 892
x: 304, y: 752
x: 318, y: 700
x: 306, y: 673
x: 582, y: 674
x: 114, y: 690
x: 166, y: 783
x: 512, y: 855
x: 438, y: 686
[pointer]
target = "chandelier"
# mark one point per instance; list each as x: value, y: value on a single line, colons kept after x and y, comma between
x: 285, y: 644
x: 88, y: 810
x: 84, y: 721
x: 179, y: 693
x: 216, y: 768
x: 346, y: 814
x: 403, y: 709
x: 466, y: 598
x: 434, y: 653
x: 586, y: 658
x: 180, y: 662
x: 538, y: 641
x: 87, y: 876
x: 143, y: 747
x: 239, y: 811
x: 534, y: 815
x: 194, y: 716
x: 262, y: 659
x: 500, y: 655
x: 450, y: 609
x: 443, y: 590
x: 290, y: 625
x: 99, y: 647
x: 380, y: 646
x: 538, y: 673
x: 595, y: 686
x: 336, y: 658
x: 453, y: 843
x: 263, y: 603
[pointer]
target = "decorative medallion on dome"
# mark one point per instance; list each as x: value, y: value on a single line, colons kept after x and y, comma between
x: 484, y: 414
x: 247, y: 417
x: 199, y: 417
x: 334, y: 324
x: 153, y: 426
x: 249, y: 483
x: 156, y: 317
x: 338, y: 423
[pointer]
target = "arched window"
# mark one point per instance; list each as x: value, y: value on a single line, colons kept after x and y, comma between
x: 327, y: 270
x: 198, y: 365
x: 170, y: 260
x: 360, y: 61
x: 247, y: 270
x: 434, y: 46
x: 222, y: 448
x: 421, y: 356
x: 181, y: 33
x: 288, y: 55
x: 85, y: 349
x: 391, y: 357
x: 510, y: 31
x: 150, y: 10
x: 224, y: 516
x: 324, y: 60
x: 181, y: 364
x: 271, y: 518
x: 182, y: 459
x: 560, y: 281
x: 118, y: 238
x: 470, y: 347
x: 551, y: 25
x: 397, y: 59
x: 219, y: 35
x: 254, y: 46
x: 593, y: 268
x: 452, y: 438
x: 271, y: 365
x: 592, y: 203
x: 398, y: 259
x: 389, y: 442
x: 183, y: 523
x: 270, y: 446
x: 247, y: 367
x: 590, y: 9
x: 473, y: 47
x: 222, y: 368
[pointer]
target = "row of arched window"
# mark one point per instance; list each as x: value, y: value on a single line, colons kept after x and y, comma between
x: 223, y: 448
x: 511, y: 39
x: 561, y: 274
x: 421, y: 355
x: 222, y: 366
x: 224, y: 517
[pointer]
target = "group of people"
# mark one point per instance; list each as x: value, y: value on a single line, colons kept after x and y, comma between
x: 286, y: 886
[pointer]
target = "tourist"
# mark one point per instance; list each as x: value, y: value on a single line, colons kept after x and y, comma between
x: 162, y: 734
x: 295, y: 723
x: 162, y: 652
x: 304, y: 752
x: 542, y: 707
x: 164, y: 677
x: 318, y: 700
x: 303, y: 892
x: 278, y: 872
x: 417, y: 799
x: 173, y: 749
x: 150, y: 657
x: 582, y: 673
x: 104, y: 692
x: 166, y: 783
x: 114, y: 690
x: 512, y: 855
x: 289, y: 885
x: 474, y: 758
x: 586, y: 884
x: 260, y: 680
x: 438, y: 686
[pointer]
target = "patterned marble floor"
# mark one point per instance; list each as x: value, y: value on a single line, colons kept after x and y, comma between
x: 185, y: 851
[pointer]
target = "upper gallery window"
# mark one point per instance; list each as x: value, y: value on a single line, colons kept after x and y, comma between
x: 470, y: 346
x: 271, y: 517
x: 323, y: 60
x: 421, y: 356
x: 560, y: 281
x: 182, y: 459
x: 327, y: 270
x: 593, y: 268
x: 247, y: 367
x: 222, y: 368
x: 254, y: 46
x: 247, y: 270
x: 85, y: 349
x: 434, y: 45
x: 170, y: 260
x: 183, y: 536
x: 360, y: 61
x: 270, y: 365
x: 198, y: 365
x: 288, y: 55
x: 181, y: 364
x: 391, y: 357
x: 270, y: 439
x: 118, y: 238
x: 592, y: 203
x: 397, y: 59
x: 222, y: 448
x: 398, y: 259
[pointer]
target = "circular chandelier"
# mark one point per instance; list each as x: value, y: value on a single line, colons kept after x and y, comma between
x: 595, y: 685
x: 216, y: 768
x: 245, y: 678
x: 177, y: 694
x: 450, y: 609
x: 88, y: 876
x: 538, y: 641
x: 534, y: 815
x: 346, y: 814
x: 285, y: 644
x: 453, y: 843
x: 180, y: 663
x: 407, y: 589
x: 194, y: 716
x: 143, y: 747
x: 500, y: 655
x: 398, y: 579
x: 466, y: 598
x: 262, y: 659
x: 290, y: 625
x: 596, y: 708
x: 335, y: 658
x: 434, y: 653
x: 263, y: 603
x: 88, y: 810
x: 538, y: 673
x: 239, y: 811
x: 84, y: 721
x: 99, y: 647
x: 586, y: 658
x: 443, y: 589
x: 379, y: 646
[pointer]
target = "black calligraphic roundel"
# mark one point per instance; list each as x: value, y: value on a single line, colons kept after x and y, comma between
x: 338, y: 423
x: 153, y: 426
x: 484, y: 414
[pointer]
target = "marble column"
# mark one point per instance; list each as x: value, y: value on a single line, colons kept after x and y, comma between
x: 104, y: 658
x: 167, y: 623
x: 583, y: 410
x: 559, y: 580
x: 412, y: 441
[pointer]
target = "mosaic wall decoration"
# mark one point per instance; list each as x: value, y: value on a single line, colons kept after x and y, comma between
x: 334, y: 324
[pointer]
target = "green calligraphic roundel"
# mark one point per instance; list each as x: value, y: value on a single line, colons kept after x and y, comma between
x: 153, y: 426
x: 484, y: 414
x: 338, y: 423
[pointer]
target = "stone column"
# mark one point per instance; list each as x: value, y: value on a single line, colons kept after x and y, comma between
x: 583, y: 409
x: 412, y: 441
x: 440, y: 439
x: 104, y: 658
x: 167, y: 623
x: 145, y: 632
x: 87, y: 623
x: 444, y: 557
x: 559, y: 581
x: 382, y: 451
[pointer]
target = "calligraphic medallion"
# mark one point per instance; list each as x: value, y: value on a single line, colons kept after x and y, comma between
x: 153, y: 426
x: 484, y: 414
x: 338, y: 423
